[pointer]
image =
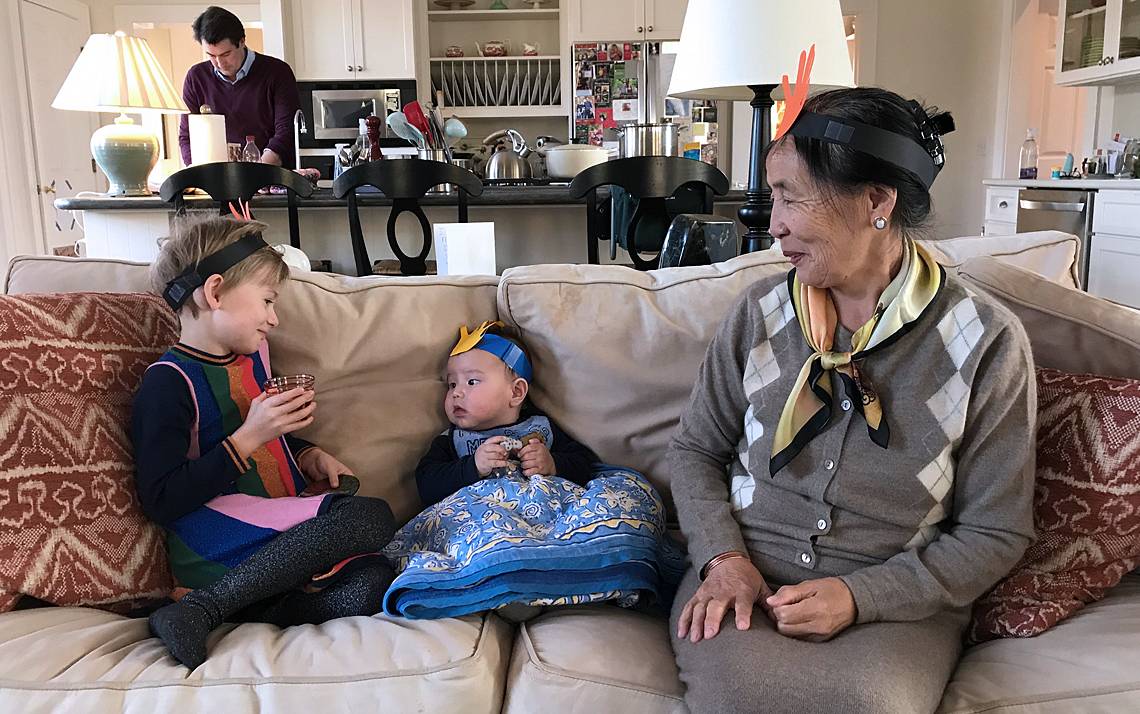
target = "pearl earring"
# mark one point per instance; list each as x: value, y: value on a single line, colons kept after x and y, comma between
x: 880, y: 223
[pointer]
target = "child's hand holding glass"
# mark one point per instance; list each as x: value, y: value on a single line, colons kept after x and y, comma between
x: 272, y: 414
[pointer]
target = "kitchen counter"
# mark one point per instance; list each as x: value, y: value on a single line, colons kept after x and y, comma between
x: 1079, y: 184
x: 323, y: 198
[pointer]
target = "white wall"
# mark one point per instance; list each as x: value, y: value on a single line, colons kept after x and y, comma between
x: 1126, y: 119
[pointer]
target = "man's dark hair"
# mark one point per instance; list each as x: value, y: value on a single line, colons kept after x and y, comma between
x: 217, y: 24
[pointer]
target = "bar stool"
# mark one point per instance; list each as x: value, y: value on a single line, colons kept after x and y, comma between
x: 231, y: 181
x: 405, y: 182
x: 651, y: 180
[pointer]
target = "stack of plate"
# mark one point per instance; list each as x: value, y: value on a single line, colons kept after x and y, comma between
x: 1092, y: 50
x: 1129, y: 47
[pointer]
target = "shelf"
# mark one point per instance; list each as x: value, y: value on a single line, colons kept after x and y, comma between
x: 554, y: 110
x: 471, y: 15
x: 525, y: 58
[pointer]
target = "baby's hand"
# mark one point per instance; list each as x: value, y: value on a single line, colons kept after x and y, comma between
x: 536, y: 459
x: 490, y: 455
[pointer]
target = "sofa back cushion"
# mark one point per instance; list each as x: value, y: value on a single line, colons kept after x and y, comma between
x: 616, y: 352
x: 1051, y: 254
x: 378, y: 348
x: 1070, y: 330
x: 1086, y: 506
x: 71, y: 529
x: 56, y: 274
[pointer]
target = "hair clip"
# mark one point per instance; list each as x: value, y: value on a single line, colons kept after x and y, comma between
x: 244, y: 215
x: 794, y: 103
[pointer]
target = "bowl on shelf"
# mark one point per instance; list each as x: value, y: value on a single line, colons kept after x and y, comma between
x: 453, y: 51
x: 493, y: 48
x: 454, y: 4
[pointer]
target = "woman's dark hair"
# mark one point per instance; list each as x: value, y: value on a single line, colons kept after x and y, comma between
x: 217, y: 24
x: 840, y: 170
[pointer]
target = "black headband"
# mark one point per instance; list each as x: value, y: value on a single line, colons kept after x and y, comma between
x: 902, y: 151
x: 179, y: 290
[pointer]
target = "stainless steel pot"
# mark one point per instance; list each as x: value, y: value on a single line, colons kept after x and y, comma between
x: 648, y: 140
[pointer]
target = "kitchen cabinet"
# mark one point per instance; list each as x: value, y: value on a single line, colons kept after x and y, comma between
x: 352, y: 39
x: 1114, y: 255
x: 628, y: 20
x: 1098, y: 42
x: 1001, y: 211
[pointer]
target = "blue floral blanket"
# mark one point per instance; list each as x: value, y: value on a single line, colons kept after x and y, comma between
x: 539, y: 541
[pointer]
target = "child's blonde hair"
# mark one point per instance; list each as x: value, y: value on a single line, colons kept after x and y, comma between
x: 195, y: 238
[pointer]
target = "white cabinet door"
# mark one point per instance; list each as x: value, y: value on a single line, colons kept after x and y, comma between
x: 1114, y: 263
x: 384, y: 39
x: 606, y: 20
x: 323, y: 39
x: 663, y: 19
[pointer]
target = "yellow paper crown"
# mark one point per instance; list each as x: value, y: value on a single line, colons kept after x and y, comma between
x: 468, y: 340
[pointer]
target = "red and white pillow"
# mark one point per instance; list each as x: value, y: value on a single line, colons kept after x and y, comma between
x: 71, y: 529
x: 1086, y: 506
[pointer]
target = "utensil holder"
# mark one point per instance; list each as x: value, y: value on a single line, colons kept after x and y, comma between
x: 441, y: 156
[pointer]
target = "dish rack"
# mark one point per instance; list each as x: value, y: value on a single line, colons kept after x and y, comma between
x: 474, y: 82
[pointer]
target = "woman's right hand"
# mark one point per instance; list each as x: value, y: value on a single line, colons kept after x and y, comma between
x: 735, y: 584
x: 271, y: 416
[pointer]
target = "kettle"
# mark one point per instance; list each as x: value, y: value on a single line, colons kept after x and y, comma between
x: 507, y: 163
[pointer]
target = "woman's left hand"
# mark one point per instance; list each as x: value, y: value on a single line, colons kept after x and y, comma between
x: 319, y: 465
x: 814, y: 610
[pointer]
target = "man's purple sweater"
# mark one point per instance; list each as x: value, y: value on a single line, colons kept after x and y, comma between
x: 262, y: 104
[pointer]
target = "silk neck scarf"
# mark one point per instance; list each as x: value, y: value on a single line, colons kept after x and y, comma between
x: 808, y: 409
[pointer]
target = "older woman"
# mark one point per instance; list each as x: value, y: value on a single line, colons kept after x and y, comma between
x: 857, y: 456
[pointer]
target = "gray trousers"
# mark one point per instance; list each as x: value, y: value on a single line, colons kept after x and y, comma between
x: 879, y: 668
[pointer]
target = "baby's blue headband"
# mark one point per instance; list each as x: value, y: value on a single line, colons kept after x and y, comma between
x: 510, y: 353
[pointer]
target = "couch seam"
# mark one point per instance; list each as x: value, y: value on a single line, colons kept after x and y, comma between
x: 1046, y: 698
x: 548, y: 670
x: 119, y: 685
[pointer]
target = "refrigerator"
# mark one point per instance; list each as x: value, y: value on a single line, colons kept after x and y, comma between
x: 617, y: 83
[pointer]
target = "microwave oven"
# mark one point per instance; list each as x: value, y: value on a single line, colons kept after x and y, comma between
x: 337, y: 112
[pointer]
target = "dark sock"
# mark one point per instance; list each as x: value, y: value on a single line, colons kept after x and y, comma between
x: 351, y: 526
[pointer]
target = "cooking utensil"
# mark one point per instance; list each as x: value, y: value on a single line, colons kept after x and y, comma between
x: 454, y: 130
x: 568, y: 160
x: 398, y: 123
x: 507, y: 163
x: 415, y: 114
x: 648, y: 139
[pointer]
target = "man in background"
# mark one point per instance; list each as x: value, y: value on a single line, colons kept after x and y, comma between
x: 256, y: 93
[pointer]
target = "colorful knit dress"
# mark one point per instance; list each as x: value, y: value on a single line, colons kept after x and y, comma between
x: 217, y: 508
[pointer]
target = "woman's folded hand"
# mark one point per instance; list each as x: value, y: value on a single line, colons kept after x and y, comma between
x: 814, y: 610
x: 735, y: 585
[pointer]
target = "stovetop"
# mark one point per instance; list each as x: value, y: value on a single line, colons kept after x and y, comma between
x: 533, y: 181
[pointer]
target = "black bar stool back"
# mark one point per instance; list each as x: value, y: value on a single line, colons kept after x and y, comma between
x: 651, y: 180
x: 405, y: 182
x: 231, y: 181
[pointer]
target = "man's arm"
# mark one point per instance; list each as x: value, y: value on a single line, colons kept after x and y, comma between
x: 193, y: 102
x: 286, y: 102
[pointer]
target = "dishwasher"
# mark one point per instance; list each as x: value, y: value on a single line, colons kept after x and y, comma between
x: 1054, y: 209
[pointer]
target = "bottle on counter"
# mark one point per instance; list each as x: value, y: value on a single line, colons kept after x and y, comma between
x: 250, y: 152
x: 373, y: 127
x: 1028, y: 163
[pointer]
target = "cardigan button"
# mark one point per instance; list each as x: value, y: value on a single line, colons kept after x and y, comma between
x: 805, y: 558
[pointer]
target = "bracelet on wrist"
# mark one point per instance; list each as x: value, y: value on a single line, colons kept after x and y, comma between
x: 717, y: 560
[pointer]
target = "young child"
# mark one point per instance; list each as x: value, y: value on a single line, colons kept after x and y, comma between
x: 218, y: 467
x: 493, y: 429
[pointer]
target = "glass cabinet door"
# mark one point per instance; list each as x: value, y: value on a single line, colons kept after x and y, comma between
x: 1129, y: 47
x: 1083, y: 34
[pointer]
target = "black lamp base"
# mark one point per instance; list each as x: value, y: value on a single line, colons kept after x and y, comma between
x: 756, y: 213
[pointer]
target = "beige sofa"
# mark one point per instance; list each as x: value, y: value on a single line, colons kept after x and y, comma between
x: 615, y: 352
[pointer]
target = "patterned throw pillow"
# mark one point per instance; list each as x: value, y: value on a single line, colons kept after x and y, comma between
x: 71, y: 529
x: 1086, y: 506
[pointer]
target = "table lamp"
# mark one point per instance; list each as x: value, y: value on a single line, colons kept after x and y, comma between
x: 740, y: 50
x: 119, y: 73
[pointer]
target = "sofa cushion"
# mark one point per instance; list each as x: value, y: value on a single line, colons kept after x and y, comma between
x: 1070, y: 331
x: 1051, y: 254
x: 593, y: 659
x: 82, y: 660
x: 378, y: 347
x: 615, y: 351
x: 1088, y: 663
x: 71, y: 529
x: 1086, y: 506
x: 56, y: 274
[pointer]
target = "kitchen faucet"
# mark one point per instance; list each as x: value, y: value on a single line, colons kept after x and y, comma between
x: 299, y: 127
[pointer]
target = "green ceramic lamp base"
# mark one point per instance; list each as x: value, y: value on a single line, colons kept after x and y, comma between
x: 126, y: 152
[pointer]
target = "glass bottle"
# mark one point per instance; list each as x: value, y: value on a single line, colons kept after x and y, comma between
x: 250, y: 152
x: 1028, y: 162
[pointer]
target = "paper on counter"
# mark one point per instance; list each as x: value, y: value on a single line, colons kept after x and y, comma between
x: 464, y: 248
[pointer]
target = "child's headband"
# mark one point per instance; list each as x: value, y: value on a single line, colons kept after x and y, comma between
x: 179, y: 290
x: 479, y: 339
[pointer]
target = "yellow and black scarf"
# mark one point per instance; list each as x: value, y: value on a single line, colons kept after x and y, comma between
x: 808, y: 409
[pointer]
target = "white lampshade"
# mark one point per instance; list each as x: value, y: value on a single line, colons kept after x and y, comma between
x: 727, y: 45
x: 118, y: 73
